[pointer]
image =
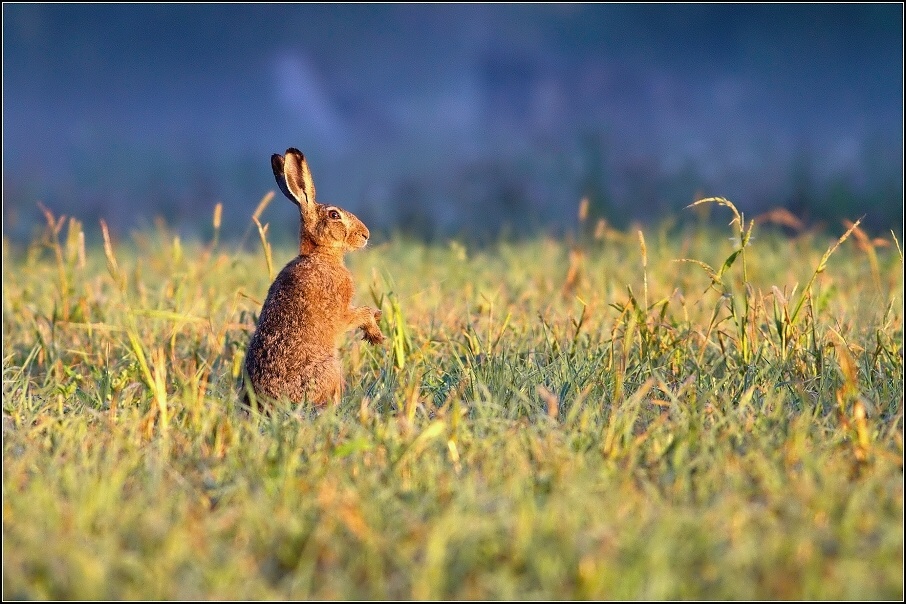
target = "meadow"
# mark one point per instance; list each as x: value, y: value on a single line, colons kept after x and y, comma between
x: 706, y: 409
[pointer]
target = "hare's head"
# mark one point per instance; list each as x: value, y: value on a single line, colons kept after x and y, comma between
x: 324, y: 227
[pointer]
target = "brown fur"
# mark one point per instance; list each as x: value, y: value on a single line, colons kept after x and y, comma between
x: 293, y: 352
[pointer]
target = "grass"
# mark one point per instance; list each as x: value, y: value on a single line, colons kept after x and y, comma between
x: 607, y: 416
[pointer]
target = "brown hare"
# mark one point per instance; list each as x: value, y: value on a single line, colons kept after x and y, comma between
x: 293, y: 352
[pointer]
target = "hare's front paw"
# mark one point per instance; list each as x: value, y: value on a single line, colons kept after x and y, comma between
x: 373, y: 336
x: 367, y: 320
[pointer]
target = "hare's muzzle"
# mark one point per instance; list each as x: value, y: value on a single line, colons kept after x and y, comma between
x: 359, y: 237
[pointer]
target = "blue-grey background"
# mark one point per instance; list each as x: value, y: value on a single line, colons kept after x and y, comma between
x: 451, y: 119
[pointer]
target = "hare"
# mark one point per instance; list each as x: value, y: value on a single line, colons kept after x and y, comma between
x: 293, y: 352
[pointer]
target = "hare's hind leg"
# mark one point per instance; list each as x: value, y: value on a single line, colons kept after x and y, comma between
x: 322, y: 382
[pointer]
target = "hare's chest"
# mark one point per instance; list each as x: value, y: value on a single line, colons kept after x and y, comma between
x: 335, y: 293
x: 319, y: 288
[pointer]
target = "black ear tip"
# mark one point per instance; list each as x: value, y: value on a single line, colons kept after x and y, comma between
x: 277, y: 163
x: 296, y: 152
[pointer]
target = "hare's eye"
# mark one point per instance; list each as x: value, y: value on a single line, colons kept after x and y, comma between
x: 334, y: 214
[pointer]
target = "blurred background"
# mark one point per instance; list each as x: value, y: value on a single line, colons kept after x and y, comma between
x: 457, y: 120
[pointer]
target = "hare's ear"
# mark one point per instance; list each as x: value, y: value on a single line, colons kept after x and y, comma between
x: 277, y: 167
x: 296, y: 178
